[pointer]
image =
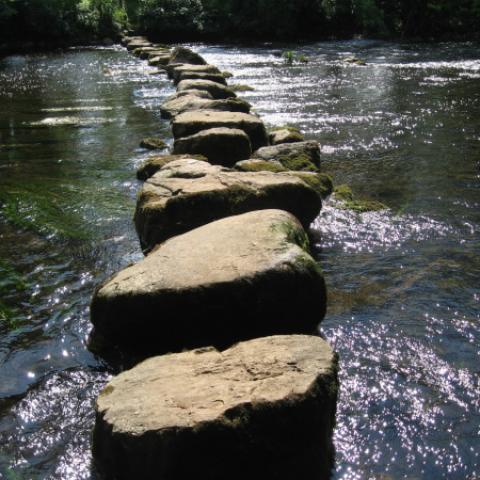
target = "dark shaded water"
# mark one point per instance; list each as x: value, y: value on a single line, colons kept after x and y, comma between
x: 403, y: 283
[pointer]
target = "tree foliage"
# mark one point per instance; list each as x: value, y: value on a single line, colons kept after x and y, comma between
x: 270, y: 19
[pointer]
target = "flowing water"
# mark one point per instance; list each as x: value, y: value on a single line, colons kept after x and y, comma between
x: 403, y: 283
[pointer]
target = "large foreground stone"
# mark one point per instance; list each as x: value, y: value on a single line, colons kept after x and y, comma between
x: 189, y: 123
x: 238, y: 278
x: 185, y: 55
x: 186, y: 194
x: 186, y: 103
x: 221, y: 146
x: 217, y: 90
x: 262, y: 409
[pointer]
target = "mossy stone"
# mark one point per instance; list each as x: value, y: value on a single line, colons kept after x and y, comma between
x: 299, y: 162
x: 253, y: 165
x: 349, y: 202
x: 320, y: 182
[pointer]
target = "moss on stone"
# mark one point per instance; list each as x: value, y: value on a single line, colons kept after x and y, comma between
x: 227, y: 74
x: 349, y: 202
x: 343, y: 192
x: 299, y: 162
x: 294, y: 234
x: 260, y: 166
x: 321, y: 182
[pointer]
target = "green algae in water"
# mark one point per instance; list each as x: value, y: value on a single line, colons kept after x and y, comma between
x: 344, y: 194
x: 11, y: 282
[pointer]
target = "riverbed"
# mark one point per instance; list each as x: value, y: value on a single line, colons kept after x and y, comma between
x: 403, y: 283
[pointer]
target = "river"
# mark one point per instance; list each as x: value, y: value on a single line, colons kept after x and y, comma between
x: 403, y: 283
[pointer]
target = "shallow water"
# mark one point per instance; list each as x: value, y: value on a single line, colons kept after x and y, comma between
x: 403, y: 283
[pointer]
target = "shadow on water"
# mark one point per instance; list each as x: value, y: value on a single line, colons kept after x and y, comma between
x: 404, y: 299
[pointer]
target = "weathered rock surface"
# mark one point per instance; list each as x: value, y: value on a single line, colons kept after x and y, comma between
x: 153, y: 143
x: 293, y: 156
x: 159, y: 60
x: 153, y: 164
x: 285, y: 135
x: 221, y: 146
x: 238, y: 278
x: 186, y: 103
x: 212, y: 77
x: 186, y: 194
x: 197, y: 93
x: 185, y: 55
x: 262, y: 409
x: 256, y: 165
x: 189, y: 123
x: 134, y: 44
x: 320, y: 182
x: 217, y: 90
x: 179, y: 69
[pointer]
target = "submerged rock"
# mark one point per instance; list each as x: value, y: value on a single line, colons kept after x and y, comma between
x: 217, y: 90
x: 185, y: 55
x: 186, y: 103
x: 153, y: 143
x: 262, y: 409
x: 221, y: 146
x: 347, y: 201
x: 238, y: 278
x: 153, y: 164
x: 186, y: 194
x: 293, y: 156
x: 189, y: 123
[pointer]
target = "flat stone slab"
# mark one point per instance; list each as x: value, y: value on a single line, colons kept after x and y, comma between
x: 179, y: 69
x: 238, y: 278
x: 159, y: 60
x: 189, y: 123
x: 262, y: 409
x: 187, y: 103
x: 186, y: 194
x: 221, y: 146
x: 153, y: 164
x: 217, y: 90
x: 212, y: 77
x: 293, y: 156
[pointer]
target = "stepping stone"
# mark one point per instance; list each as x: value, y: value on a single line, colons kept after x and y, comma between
x: 179, y: 69
x: 238, y: 278
x: 221, y: 146
x: 262, y: 409
x: 212, y: 77
x: 153, y: 164
x: 189, y: 123
x: 285, y: 135
x: 187, y: 194
x: 185, y: 55
x: 293, y: 156
x: 186, y: 103
x: 217, y: 90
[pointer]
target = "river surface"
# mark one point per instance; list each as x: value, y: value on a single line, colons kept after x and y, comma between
x: 403, y: 283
